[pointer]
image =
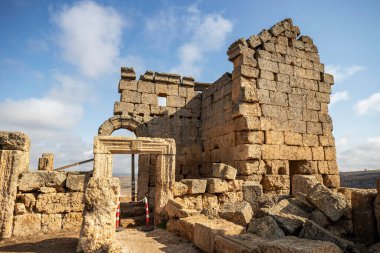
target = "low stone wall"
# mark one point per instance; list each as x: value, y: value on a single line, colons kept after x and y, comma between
x: 49, y: 202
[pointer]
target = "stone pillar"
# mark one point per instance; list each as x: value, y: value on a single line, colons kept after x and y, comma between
x: 14, y: 159
x: 46, y: 162
x: 99, y: 219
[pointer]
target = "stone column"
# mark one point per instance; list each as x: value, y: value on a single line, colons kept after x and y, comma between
x: 46, y: 162
x: 14, y: 159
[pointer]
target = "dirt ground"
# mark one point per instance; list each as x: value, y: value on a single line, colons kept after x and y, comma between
x: 133, y: 240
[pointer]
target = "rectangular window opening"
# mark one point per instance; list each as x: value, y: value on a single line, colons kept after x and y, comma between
x: 161, y: 100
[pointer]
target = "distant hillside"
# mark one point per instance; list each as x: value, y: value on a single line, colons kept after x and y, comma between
x: 359, y: 179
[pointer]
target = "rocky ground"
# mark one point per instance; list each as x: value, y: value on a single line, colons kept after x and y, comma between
x: 133, y: 240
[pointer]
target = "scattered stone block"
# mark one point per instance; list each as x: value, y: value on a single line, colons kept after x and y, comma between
x: 176, y: 209
x: 237, y: 243
x: 303, y: 184
x: 251, y: 192
x: 216, y: 185
x: 239, y: 213
x: 329, y: 202
x: 221, y: 170
x: 180, y: 189
x: 266, y: 227
x: 319, y: 218
x: 195, y: 186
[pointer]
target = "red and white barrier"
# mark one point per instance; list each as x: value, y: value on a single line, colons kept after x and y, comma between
x: 146, y: 211
x: 118, y: 213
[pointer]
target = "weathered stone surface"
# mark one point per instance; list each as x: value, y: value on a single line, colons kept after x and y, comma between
x: 265, y: 227
x: 76, y: 182
x: 221, y: 170
x: 31, y: 181
x: 46, y: 162
x: 14, y: 141
x: 180, y: 189
x: 20, y: 208
x: 195, y: 186
x: 251, y: 192
x: 239, y: 213
x: 303, y: 183
x: 29, y: 200
x: 12, y: 164
x: 303, y: 167
x: 98, y: 228
x: 314, y: 232
x: 72, y: 221
x: 60, y: 202
x: 329, y: 202
x: 364, y: 220
x: 216, y: 185
x: 27, y: 224
x: 177, y: 209
x: 276, y: 182
x: 237, y: 243
x: 297, y: 245
x: 205, y: 232
x: 319, y: 218
x: 210, y: 205
x: 51, y: 223
x: 185, y: 226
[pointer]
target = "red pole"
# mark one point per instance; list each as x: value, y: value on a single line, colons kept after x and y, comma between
x: 118, y: 213
x: 147, y: 212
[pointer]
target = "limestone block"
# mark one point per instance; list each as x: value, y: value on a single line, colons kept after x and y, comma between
x: 272, y: 137
x: 364, y: 219
x: 315, y: 232
x: 180, y: 189
x: 267, y: 65
x: 299, y: 153
x: 205, y: 232
x: 51, y: 223
x: 303, y: 167
x: 271, y: 152
x: 146, y: 87
x: 330, y: 153
x: 46, y: 162
x: 72, y: 221
x: 177, y: 209
x: 185, y: 226
x: 230, y: 197
x: 303, y: 184
x: 310, y: 140
x: 127, y: 85
x: 265, y: 227
x: 221, y: 170
x: 76, y: 182
x: 47, y: 190
x: 210, y: 205
x: 276, y: 182
x: 239, y: 213
x: 235, y: 185
x: 331, y: 181
x: 291, y: 244
x: 194, y: 202
x: 30, y: 181
x: 318, y: 153
x: 249, y: 167
x: 151, y: 99
x: 247, y: 151
x: 98, y: 228
x: 130, y: 97
x: 319, y: 218
x: 294, y: 139
x: 246, y: 123
x: 128, y: 73
x: 252, y: 191
x: 249, y: 137
x: 14, y: 141
x: 27, y: 224
x: 288, y: 221
x: 237, y: 243
x: 254, y: 41
x: 195, y: 186
x: 60, y: 202
x: 329, y: 202
x: 216, y: 185
x: 29, y: 200
x: 20, y: 209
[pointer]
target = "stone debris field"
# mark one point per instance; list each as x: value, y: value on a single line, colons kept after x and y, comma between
x: 244, y: 164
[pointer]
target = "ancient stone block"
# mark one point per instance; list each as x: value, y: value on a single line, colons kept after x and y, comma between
x: 72, y: 221
x: 60, y: 202
x: 30, y: 181
x: 27, y: 224
x: 180, y: 189
x: 276, y: 182
x: 177, y: 209
x: 239, y: 213
x: 195, y: 185
x: 294, y: 139
x: 237, y: 243
x: 221, y: 170
x: 331, y: 181
x: 76, y: 182
x: 252, y: 191
x: 249, y: 167
x: 216, y: 185
x: 329, y: 202
x: 51, y: 223
x: 247, y: 151
x: 265, y: 227
x: 46, y: 162
x: 303, y: 183
x: 319, y: 218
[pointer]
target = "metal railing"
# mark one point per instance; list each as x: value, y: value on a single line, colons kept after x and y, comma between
x: 73, y: 165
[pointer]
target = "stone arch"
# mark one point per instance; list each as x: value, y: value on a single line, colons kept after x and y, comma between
x: 123, y: 122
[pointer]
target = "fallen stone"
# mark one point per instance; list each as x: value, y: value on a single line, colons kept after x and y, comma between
x: 319, y: 218
x: 239, y: 213
x: 265, y: 227
x: 195, y: 186
x: 205, y: 232
x: 329, y: 202
x: 224, y: 171
x: 303, y: 184
x: 216, y: 185
x: 315, y: 232
x: 251, y: 192
x: 60, y: 202
x: 237, y: 243
x: 176, y: 209
x: 290, y: 223
x: 27, y: 224
x: 296, y: 245
x: 51, y: 223
x: 364, y: 219
x: 180, y: 189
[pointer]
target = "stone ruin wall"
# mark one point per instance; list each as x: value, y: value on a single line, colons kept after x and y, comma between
x: 268, y: 118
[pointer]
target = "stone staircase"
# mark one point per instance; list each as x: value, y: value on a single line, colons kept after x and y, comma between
x: 132, y: 214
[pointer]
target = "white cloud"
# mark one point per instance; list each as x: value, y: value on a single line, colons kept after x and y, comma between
x: 342, y: 73
x: 364, y: 156
x: 370, y: 104
x: 339, y: 96
x: 90, y: 37
x: 37, y: 45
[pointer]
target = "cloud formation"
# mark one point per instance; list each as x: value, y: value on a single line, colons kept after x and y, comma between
x: 339, y: 96
x: 90, y: 37
x: 369, y: 105
x: 342, y: 73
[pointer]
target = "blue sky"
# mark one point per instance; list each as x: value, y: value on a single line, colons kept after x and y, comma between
x: 60, y: 62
